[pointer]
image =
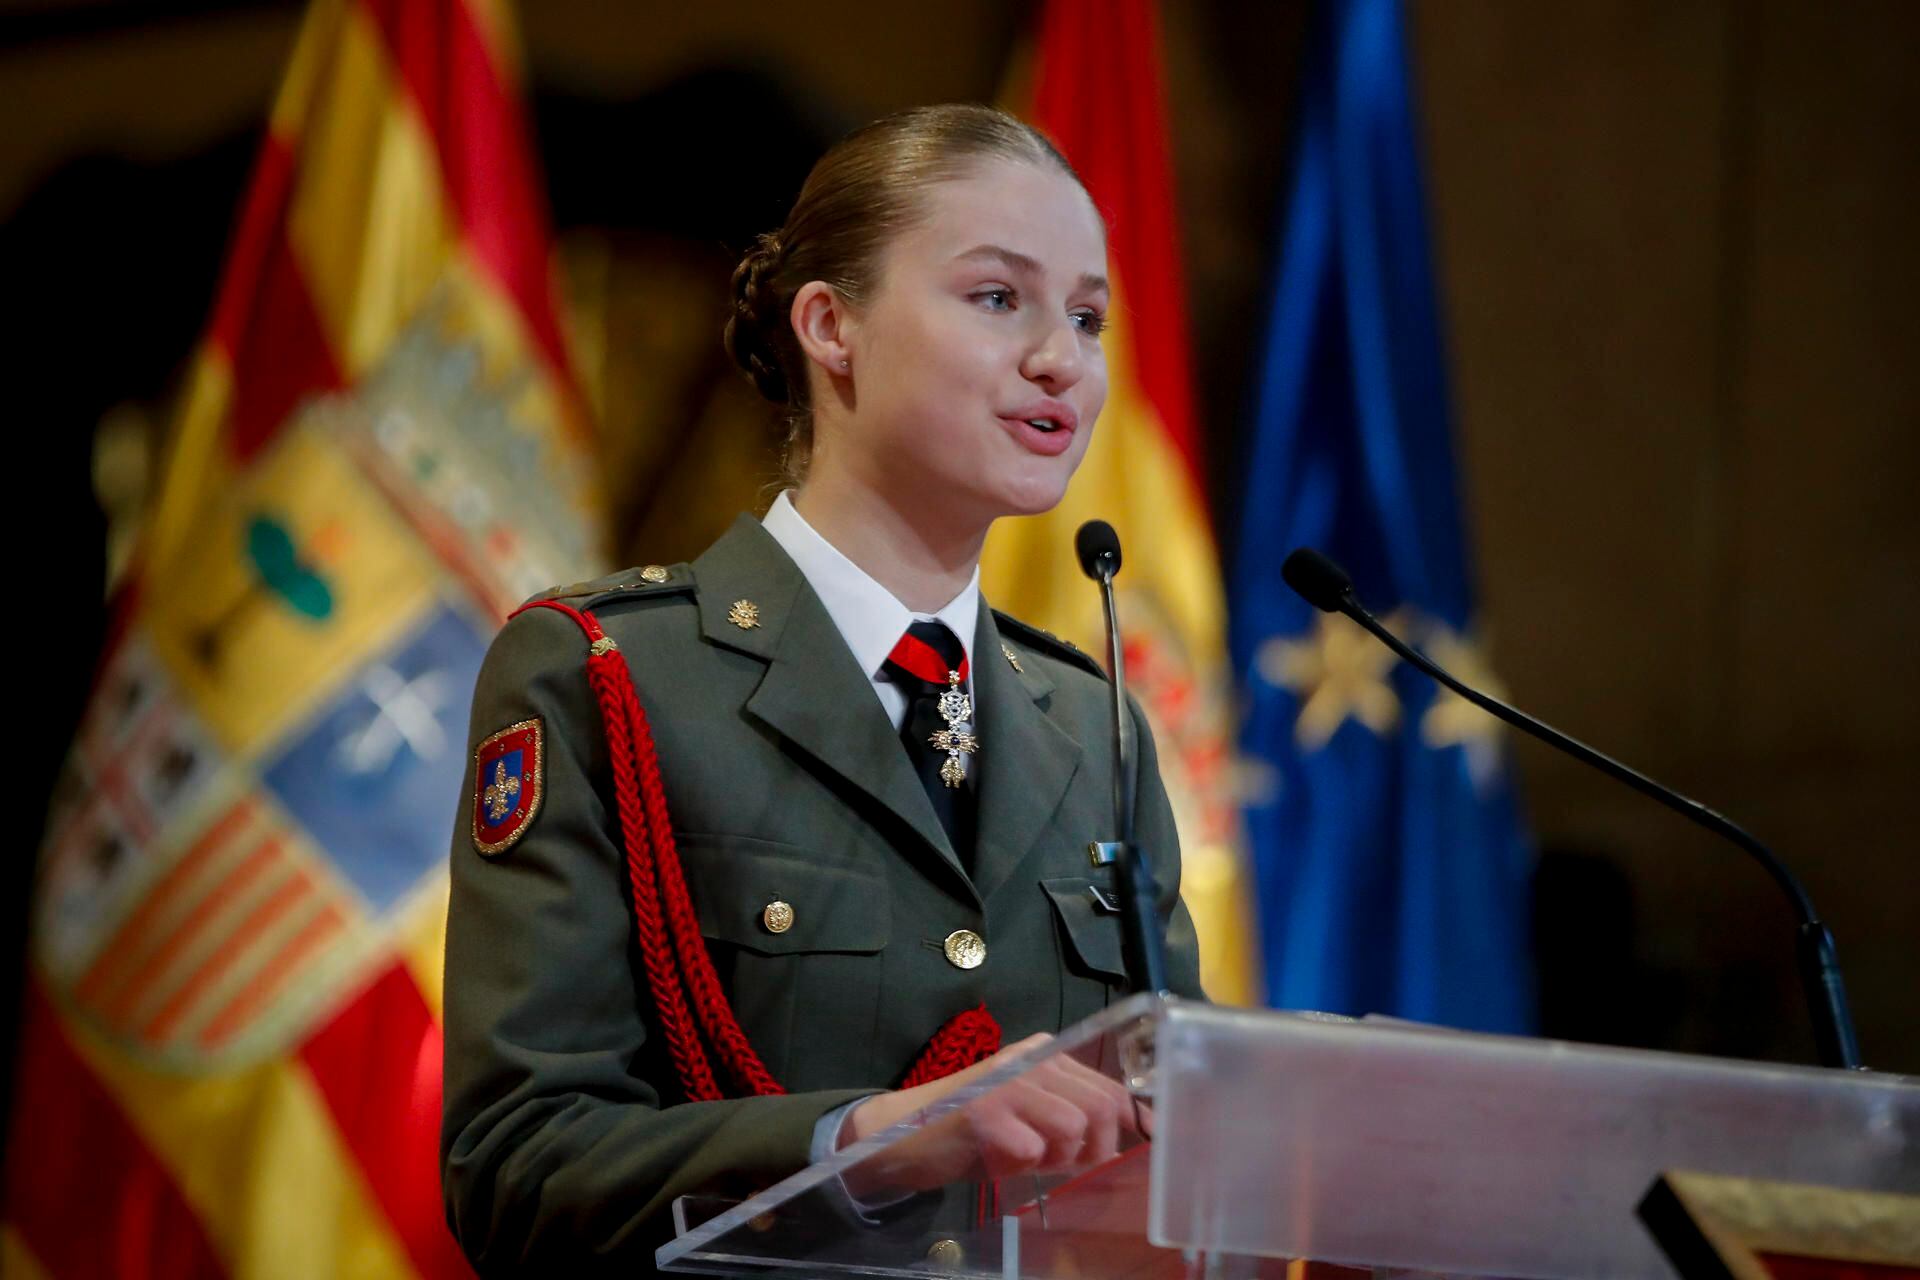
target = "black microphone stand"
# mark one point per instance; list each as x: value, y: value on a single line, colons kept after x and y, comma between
x: 1819, y: 963
x: 1142, y: 944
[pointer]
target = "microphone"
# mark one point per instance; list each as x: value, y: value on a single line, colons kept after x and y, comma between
x: 1319, y: 581
x: 1142, y: 944
x: 1326, y: 586
x: 1098, y: 547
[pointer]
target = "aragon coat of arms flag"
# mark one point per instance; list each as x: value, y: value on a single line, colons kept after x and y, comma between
x: 230, y: 1058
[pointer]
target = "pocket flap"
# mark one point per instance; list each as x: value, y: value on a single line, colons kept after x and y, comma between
x: 1094, y: 936
x: 733, y: 880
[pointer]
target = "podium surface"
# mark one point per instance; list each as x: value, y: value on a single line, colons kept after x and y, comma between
x: 1278, y: 1136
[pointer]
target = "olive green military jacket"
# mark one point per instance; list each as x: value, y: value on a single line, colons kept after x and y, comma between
x: 564, y: 1138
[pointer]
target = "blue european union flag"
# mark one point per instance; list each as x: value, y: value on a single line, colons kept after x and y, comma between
x: 1393, y: 869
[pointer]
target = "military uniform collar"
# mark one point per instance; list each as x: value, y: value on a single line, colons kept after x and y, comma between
x: 813, y: 693
x: 748, y: 586
x: 870, y: 618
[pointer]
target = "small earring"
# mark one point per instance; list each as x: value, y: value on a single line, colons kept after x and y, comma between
x: 846, y: 364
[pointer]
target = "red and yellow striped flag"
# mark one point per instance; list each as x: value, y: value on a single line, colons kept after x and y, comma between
x: 230, y: 1059
x: 1095, y: 89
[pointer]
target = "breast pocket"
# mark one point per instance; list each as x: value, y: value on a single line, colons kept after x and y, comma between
x: 799, y: 945
x: 1090, y: 945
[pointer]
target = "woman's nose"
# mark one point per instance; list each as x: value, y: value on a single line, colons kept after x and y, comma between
x: 1056, y: 360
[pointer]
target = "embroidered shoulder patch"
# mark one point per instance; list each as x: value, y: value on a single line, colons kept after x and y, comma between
x: 509, y: 775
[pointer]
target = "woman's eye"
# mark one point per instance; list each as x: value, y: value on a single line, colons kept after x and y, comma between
x: 995, y: 299
x: 1091, y: 322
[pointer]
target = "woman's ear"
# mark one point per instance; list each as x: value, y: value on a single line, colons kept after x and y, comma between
x: 823, y: 323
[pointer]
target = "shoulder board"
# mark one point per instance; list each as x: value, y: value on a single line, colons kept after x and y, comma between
x: 644, y: 580
x: 1047, y: 643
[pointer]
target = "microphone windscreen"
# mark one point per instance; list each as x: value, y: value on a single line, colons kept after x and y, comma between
x: 1097, y: 542
x: 1319, y: 581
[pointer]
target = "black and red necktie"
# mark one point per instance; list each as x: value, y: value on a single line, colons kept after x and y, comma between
x: 930, y: 666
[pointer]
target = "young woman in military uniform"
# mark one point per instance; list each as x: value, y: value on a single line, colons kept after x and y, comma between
x: 929, y: 319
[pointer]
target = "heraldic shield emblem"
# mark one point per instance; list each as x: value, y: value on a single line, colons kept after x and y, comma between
x: 508, y: 773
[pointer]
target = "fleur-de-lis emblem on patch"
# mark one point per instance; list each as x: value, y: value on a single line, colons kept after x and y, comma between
x: 745, y: 615
x: 501, y: 792
x: 509, y: 769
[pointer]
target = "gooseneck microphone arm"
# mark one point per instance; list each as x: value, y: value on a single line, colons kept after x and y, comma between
x: 1323, y: 584
x: 1142, y: 942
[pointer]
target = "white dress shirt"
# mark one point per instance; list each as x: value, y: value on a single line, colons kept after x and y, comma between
x: 869, y: 617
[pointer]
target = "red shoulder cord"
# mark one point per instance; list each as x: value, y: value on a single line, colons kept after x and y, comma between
x: 686, y: 991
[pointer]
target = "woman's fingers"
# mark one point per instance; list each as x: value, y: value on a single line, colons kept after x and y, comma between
x: 1115, y: 1095
x: 1105, y: 1106
x: 1022, y: 1128
x: 1058, y: 1117
x: 885, y: 1110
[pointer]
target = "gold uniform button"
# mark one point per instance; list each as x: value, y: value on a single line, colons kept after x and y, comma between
x: 654, y: 573
x: 946, y: 1253
x: 966, y: 950
x: 778, y: 917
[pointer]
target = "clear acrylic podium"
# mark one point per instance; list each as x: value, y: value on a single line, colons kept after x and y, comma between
x: 1276, y: 1136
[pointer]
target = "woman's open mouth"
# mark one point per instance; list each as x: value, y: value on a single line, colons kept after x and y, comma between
x: 1045, y: 430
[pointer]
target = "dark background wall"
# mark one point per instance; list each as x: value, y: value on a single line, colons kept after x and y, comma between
x: 1676, y: 243
x: 1681, y: 270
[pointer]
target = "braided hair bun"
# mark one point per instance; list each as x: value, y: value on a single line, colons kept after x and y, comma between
x: 758, y: 317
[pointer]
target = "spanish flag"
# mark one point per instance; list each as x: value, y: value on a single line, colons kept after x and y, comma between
x: 1094, y: 88
x: 230, y: 1058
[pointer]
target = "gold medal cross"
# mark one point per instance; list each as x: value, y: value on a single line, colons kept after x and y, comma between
x: 956, y: 709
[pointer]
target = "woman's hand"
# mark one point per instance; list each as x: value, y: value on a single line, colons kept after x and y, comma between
x: 1057, y: 1118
